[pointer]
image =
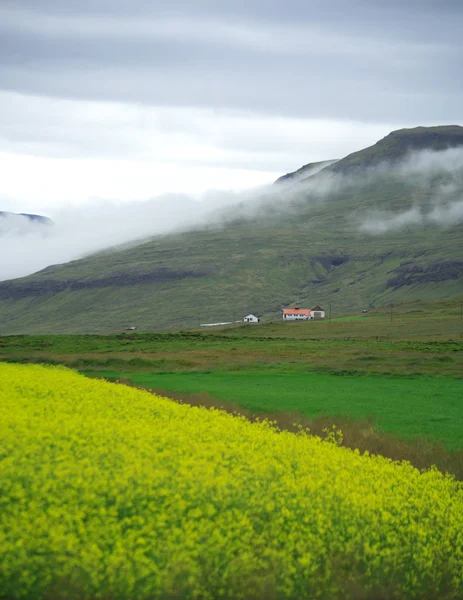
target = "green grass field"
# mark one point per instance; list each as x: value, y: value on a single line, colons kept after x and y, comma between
x: 421, y: 339
x: 442, y: 320
x: 407, y: 407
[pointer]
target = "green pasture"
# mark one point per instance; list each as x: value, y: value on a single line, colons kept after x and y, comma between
x: 240, y: 350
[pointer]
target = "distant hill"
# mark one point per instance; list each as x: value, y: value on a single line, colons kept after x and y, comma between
x: 31, y: 218
x: 384, y: 239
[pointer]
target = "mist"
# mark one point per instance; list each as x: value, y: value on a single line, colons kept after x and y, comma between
x: 27, y: 246
x: 442, y: 215
x: 443, y: 208
x: 78, y: 231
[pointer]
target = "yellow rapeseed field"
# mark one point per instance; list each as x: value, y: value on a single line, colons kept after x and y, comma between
x: 110, y: 492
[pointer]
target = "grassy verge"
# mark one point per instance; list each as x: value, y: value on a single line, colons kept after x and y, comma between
x: 199, y: 352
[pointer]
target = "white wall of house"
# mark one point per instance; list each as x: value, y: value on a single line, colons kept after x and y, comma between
x: 318, y: 314
x: 296, y: 317
x: 251, y: 319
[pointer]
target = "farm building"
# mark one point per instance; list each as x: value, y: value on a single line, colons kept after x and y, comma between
x: 318, y: 312
x: 251, y: 319
x: 296, y: 314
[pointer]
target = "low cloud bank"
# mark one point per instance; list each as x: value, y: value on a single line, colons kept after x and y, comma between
x: 440, y: 177
x: 444, y: 215
x: 27, y: 246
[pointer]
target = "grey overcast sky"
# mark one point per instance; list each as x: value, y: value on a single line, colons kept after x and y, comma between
x: 128, y: 99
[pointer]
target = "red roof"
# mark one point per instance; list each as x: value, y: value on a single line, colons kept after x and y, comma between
x: 296, y: 311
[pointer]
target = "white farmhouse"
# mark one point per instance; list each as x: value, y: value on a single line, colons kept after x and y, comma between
x: 296, y: 314
x: 251, y: 319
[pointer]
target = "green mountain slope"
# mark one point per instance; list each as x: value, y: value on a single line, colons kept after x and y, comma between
x: 305, y: 171
x: 321, y: 249
x: 398, y: 144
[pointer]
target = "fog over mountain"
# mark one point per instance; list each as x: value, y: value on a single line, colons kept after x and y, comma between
x: 82, y: 230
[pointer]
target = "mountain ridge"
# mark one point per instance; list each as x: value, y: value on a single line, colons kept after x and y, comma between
x: 386, y: 151
x: 305, y: 171
x: 316, y: 252
x: 397, y: 145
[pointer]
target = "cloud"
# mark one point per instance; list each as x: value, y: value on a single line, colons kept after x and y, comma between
x: 449, y: 214
x: 381, y: 222
x: 68, y: 129
x: 100, y: 224
x: 376, y: 62
x: 429, y: 162
x: 440, y: 175
x: 82, y: 230
x: 259, y: 35
x: 74, y: 150
x: 79, y: 231
x: 103, y: 224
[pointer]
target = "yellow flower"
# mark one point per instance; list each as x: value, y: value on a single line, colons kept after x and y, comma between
x: 108, y: 491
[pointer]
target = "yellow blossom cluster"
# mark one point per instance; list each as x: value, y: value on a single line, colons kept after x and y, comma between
x: 112, y: 492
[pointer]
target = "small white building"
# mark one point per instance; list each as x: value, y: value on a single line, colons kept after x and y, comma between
x: 251, y: 319
x: 318, y: 313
